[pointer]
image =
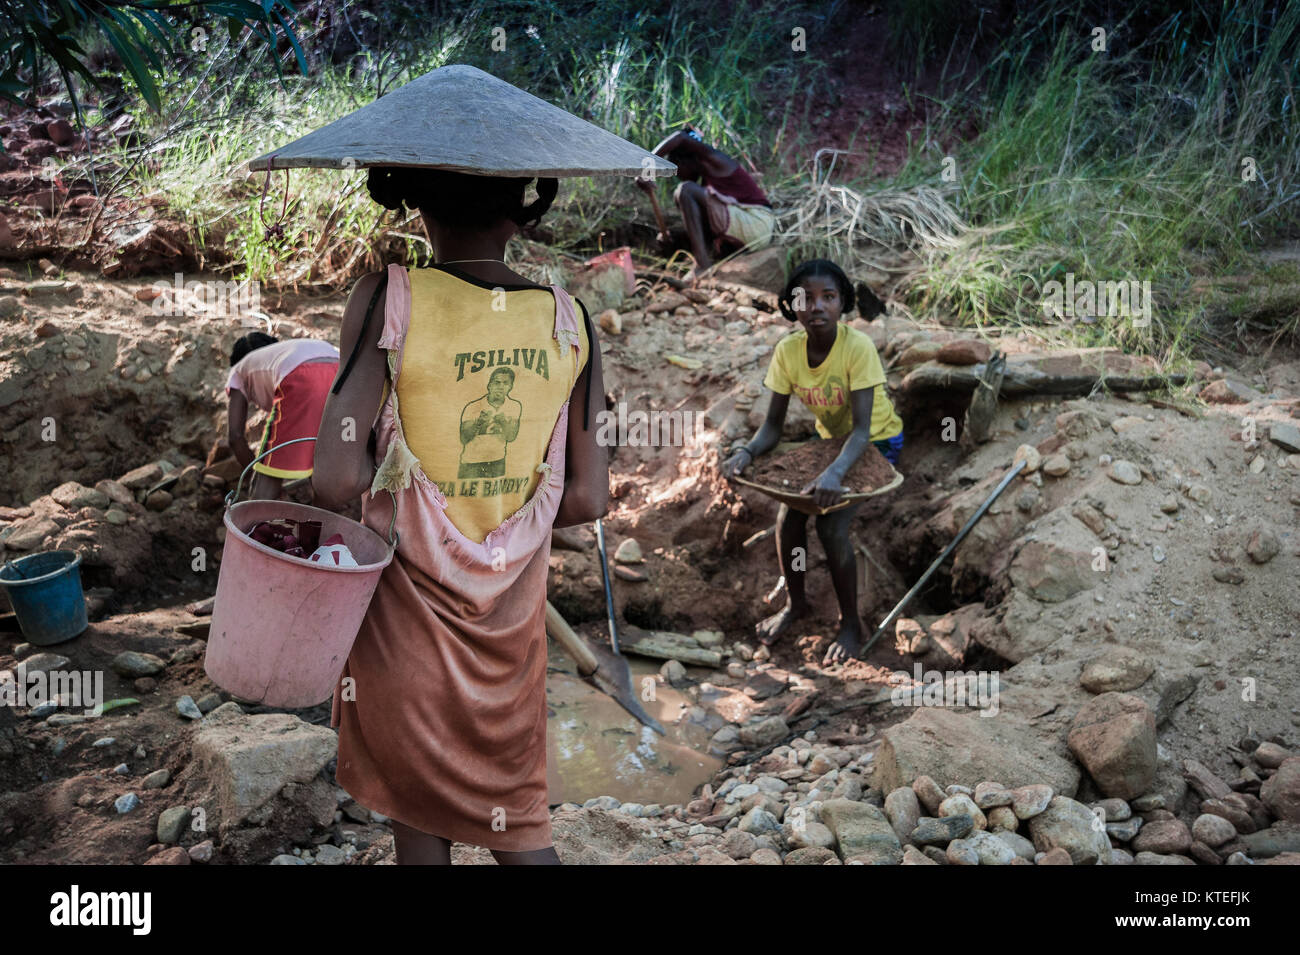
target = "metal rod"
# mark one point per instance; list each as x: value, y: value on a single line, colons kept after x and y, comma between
x: 961, y: 534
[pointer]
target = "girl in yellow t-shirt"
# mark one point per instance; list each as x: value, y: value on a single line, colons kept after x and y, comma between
x: 836, y: 371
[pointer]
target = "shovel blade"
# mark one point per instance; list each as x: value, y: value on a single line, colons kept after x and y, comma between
x: 613, y: 678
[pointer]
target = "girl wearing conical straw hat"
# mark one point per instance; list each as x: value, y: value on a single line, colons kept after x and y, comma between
x: 479, y: 382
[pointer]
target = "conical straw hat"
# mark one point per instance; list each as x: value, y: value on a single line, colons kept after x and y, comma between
x: 460, y: 118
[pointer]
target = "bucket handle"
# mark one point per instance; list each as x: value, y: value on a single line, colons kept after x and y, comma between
x: 233, y: 496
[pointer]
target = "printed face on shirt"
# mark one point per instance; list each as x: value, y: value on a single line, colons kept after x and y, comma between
x: 499, y: 385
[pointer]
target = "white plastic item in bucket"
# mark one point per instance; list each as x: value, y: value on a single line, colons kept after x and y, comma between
x: 282, y: 626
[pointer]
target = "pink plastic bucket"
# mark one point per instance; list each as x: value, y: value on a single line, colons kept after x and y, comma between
x: 620, y: 257
x: 282, y: 627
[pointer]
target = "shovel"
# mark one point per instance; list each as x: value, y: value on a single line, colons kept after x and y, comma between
x: 961, y: 535
x: 606, y: 670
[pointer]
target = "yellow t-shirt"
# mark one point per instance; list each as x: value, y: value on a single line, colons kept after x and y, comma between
x: 480, y: 390
x: 853, y: 364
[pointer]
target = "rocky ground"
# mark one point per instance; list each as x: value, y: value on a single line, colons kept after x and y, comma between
x: 1131, y: 593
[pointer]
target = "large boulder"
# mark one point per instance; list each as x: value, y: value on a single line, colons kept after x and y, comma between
x: 1114, y: 737
x: 764, y: 269
x: 954, y: 747
x: 249, y: 759
x: 1051, y: 571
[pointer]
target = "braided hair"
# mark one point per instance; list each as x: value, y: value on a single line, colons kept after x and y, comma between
x: 817, y: 268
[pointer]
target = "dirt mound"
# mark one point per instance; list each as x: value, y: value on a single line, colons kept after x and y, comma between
x: 797, y: 468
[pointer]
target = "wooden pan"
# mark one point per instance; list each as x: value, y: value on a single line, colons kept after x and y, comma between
x: 803, y: 503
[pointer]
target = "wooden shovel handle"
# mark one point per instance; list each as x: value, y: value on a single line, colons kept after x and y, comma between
x: 571, y: 643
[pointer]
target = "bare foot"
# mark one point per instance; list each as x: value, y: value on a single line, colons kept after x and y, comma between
x: 847, y: 645
x: 770, y: 630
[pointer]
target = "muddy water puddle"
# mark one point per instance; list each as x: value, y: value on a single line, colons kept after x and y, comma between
x: 595, y: 748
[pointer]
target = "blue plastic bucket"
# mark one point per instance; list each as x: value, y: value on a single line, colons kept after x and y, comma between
x: 45, y: 590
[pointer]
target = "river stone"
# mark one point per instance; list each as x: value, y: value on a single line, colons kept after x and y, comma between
x: 990, y: 849
x: 935, y: 831
x: 990, y: 795
x: 1029, y: 454
x: 963, y: 351
x: 1070, y: 825
x: 1116, y: 810
x: 1056, y: 465
x: 1125, y: 472
x: 1125, y: 830
x: 1057, y: 856
x: 144, y: 476
x: 31, y: 532
x: 628, y: 551
x: 1276, y: 839
x: 1114, y: 736
x: 903, y: 810
x: 961, y: 804
x: 812, y: 855
x: 172, y: 823
x: 759, y: 820
x: 157, y: 779
x: 1165, y: 836
x: 1241, y: 819
x: 765, y: 856
x: 1157, y: 858
x: 1285, y: 435
x: 1002, y: 819
x: 938, y: 742
x: 862, y: 831
x: 40, y: 663
x: 764, y: 733
x: 131, y: 664
x: 1213, y: 830
x: 1029, y: 801
x: 1281, y: 791
x: 187, y: 708
x: 1271, y: 755
x: 126, y: 802
x: 914, y: 856
x: 739, y: 844
x: 248, y: 759
x: 1051, y: 571
x: 74, y: 496
x: 810, y: 834
x: 1117, y: 669
x: 1262, y: 545
x: 1018, y: 844
x: 962, y: 852
x: 928, y: 792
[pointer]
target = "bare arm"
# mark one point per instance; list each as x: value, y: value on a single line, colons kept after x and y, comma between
x: 343, y: 469
x: 827, y: 489
x: 586, y: 463
x: 764, y: 440
x: 236, y: 423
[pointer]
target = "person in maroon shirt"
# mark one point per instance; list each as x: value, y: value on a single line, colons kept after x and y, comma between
x: 722, y: 206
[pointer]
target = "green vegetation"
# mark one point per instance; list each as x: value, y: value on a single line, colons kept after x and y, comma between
x: 1169, y: 156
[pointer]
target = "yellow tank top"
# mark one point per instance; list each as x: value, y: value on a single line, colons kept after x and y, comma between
x: 480, y: 388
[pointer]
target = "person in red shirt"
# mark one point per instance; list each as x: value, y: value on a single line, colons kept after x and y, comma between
x: 722, y: 206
